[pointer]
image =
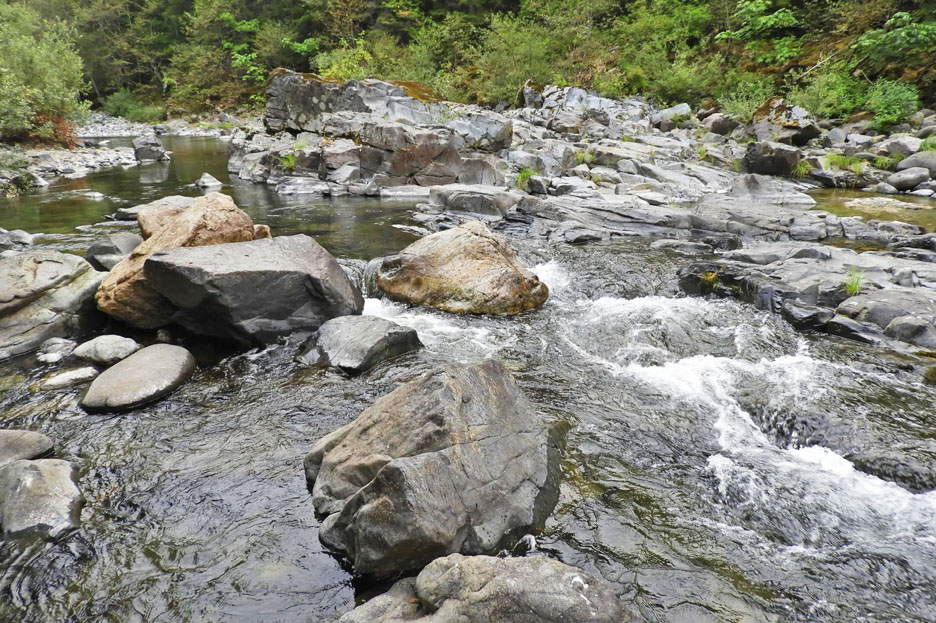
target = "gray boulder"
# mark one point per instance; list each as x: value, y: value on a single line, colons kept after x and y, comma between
x: 145, y: 376
x: 457, y: 460
x: 483, y: 589
x: 925, y: 159
x: 55, y: 349
x: 106, y: 253
x: 69, y: 378
x: 771, y: 158
x: 253, y: 292
x: 679, y: 110
x: 149, y: 148
x: 15, y: 240
x: 43, y: 294
x: 483, y: 130
x: 207, y: 180
x: 38, y: 498
x: 107, y: 349
x: 906, y: 179
x: 17, y: 445
x: 475, y: 199
x: 356, y: 344
x: 720, y: 124
x: 172, y: 203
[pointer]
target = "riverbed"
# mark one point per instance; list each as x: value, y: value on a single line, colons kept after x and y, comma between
x: 691, y: 476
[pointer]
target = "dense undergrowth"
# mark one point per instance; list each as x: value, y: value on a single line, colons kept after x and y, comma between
x: 141, y: 58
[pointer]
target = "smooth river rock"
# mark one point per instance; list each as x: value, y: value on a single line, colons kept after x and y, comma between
x: 143, y: 377
x: 457, y: 460
x: 38, y: 498
x: 254, y: 292
x: 16, y: 445
x: 467, y: 270
x: 355, y: 344
x: 125, y: 295
x: 43, y: 294
x: 484, y: 589
x: 107, y: 349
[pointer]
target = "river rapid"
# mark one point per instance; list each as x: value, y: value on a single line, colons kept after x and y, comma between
x: 690, y: 479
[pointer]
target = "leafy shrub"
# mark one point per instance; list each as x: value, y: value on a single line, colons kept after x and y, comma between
x: 347, y: 62
x: 901, y: 39
x: 929, y: 144
x: 849, y: 163
x: 892, y: 102
x: 523, y: 179
x: 123, y: 103
x: 887, y: 163
x: 746, y: 95
x: 830, y: 94
x: 40, y: 75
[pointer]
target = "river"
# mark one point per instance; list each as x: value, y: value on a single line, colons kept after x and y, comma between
x: 690, y: 478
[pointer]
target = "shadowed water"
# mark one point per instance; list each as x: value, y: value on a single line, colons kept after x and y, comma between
x: 689, y: 480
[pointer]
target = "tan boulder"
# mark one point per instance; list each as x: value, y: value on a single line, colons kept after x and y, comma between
x: 124, y: 293
x: 465, y: 270
x: 155, y: 218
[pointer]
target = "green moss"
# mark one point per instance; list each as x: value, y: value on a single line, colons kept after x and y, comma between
x: 523, y: 179
x: 929, y: 144
x: 802, y: 169
x: 583, y: 157
x: 287, y: 161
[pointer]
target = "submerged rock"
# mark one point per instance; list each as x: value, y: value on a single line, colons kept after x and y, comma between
x: 69, y: 378
x: 145, y: 376
x: 124, y: 293
x: 207, y: 180
x: 107, y: 349
x: 483, y: 589
x: 356, y: 344
x: 55, y: 349
x: 253, y: 292
x: 467, y: 269
x: 43, y: 294
x: 18, y: 445
x: 38, y: 498
x: 457, y: 460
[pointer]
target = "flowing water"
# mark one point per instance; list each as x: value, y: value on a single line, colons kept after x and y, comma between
x: 689, y: 478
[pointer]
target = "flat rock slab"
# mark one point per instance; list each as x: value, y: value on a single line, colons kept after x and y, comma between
x: 254, y: 292
x: 466, y: 269
x: 22, y: 444
x: 356, y: 344
x: 143, y: 377
x: 457, y: 460
x: 482, y: 589
x: 38, y: 498
x: 175, y: 203
x: 107, y: 349
x: 69, y: 378
x: 43, y: 294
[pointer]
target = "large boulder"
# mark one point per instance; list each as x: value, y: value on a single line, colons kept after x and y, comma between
x: 149, y: 148
x: 17, y: 445
x: 475, y: 199
x: 145, y: 376
x: 38, y: 498
x: 106, y: 253
x: 253, y: 292
x: 173, y: 204
x: 796, y: 125
x: 925, y: 159
x: 457, y: 460
x: 481, y: 589
x: 770, y: 158
x: 355, y: 344
x: 483, y: 130
x: 467, y: 269
x: 124, y: 293
x: 43, y: 294
x: 907, y: 179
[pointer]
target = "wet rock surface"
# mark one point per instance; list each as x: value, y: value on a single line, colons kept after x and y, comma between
x: 18, y: 445
x: 145, y: 376
x: 43, y: 294
x: 38, y: 498
x: 253, y: 292
x: 107, y: 349
x: 356, y: 344
x: 478, y: 589
x: 468, y: 269
x: 457, y: 460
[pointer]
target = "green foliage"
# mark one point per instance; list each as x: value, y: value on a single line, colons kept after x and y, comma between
x: 903, y: 37
x: 348, y: 62
x: 523, y: 179
x: 40, y: 75
x: 887, y: 163
x: 287, y: 161
x: 892, y: 102
x: 743, y: 94
x: 848, y: 163
x: 584, y: 157
x: 929, y: 144
x: 123, y: 103
x: 829, y: 94
x: 802, y: 169
x: 757, y: 19
x: 854, y: 281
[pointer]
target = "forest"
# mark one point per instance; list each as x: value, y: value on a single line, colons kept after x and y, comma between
x: 149, y: 59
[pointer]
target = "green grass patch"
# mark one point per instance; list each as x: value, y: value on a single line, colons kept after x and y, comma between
x: 929, y: 144
x: 854, y: 281
x: 802, y: 169
x: 848, y: 163
x: 523, y: 179
x: 887, y: 163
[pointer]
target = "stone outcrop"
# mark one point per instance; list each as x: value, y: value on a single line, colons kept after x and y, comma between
x: 38, y: 498
x: 467, y: 269
x: 144, y: 377
x: 106, y: 253
x: 355, y: 344
x: 16, y: 445
x: 457, y: 460
x: 481, y: 589
x: 253, y: 292
x: 43, y: 294
x: 124, y: 293
x: 149, y: 147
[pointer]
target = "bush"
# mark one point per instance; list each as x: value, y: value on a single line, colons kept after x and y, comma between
x: 125, y: 104
x: 829, y: 95
x: 348, y: 62
x: 744, y: 95
x: 892, y: 102
x: 40, y: 76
